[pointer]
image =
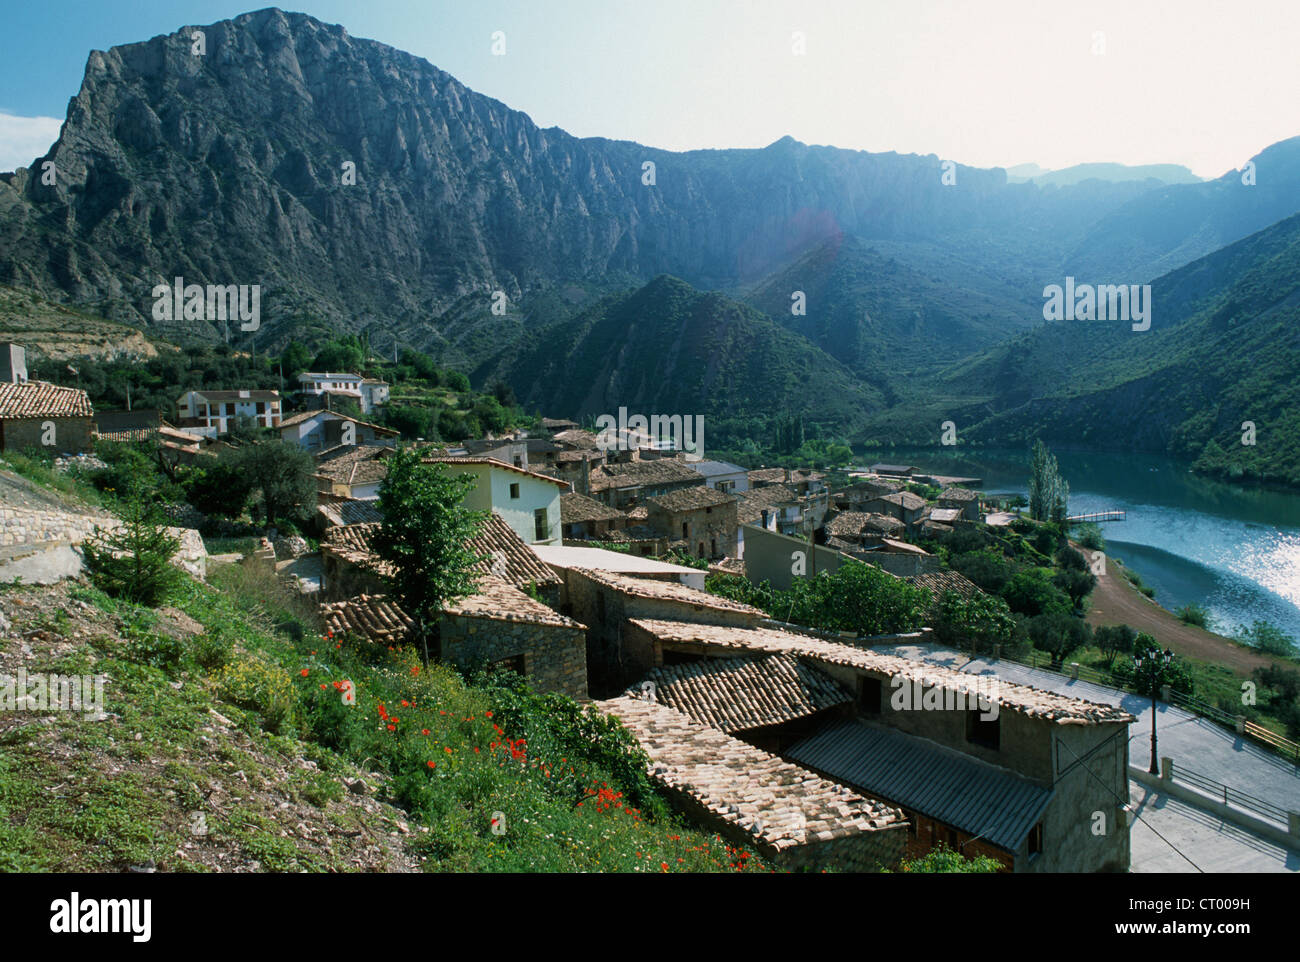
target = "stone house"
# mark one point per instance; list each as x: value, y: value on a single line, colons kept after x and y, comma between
x: 988, y: 767
x: 965, y: 501
x: 902, y: 505
x: 584, y: 519
x: 796, y: 819
x: 497, y: 625
x: 36, y: 414
x: 624, y: 484
x: 702, y: 518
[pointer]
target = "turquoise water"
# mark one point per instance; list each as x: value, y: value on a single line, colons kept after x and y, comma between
x: 1235, y: 550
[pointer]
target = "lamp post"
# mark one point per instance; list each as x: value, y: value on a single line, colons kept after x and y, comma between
x: 1159, y: 661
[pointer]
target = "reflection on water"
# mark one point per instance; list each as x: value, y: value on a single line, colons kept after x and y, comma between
x: 1234, y: 550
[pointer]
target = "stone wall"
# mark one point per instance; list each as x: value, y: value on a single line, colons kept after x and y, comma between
x: 554, y: 656
x: 70, y: 434
x: 31, y: 526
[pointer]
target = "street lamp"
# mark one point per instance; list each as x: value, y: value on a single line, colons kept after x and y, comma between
x: 1159, y: 661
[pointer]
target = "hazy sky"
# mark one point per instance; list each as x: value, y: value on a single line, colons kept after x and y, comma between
x: 989, y: 83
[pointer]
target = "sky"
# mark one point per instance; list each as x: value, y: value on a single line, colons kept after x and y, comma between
x: 985, y: 82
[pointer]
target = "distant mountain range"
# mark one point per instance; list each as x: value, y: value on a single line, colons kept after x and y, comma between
x: 234, y: 168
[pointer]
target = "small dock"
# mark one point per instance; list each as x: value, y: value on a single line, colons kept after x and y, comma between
x: 1096, y: 517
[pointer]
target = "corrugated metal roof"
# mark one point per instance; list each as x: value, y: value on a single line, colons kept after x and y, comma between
x: 963, y: 792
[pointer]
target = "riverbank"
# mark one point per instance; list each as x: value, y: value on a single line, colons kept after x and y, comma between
x: 1117, y: 602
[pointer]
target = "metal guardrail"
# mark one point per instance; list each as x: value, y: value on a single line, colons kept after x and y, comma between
x: 1229, y: 795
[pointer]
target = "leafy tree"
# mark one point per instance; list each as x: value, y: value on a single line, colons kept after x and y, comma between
x: 457, y: 381
x: 979, y: 622
x: 1049, y: 494
x: 294, y: 359
x: 864, y: 599
x: 134, y: 561
x: 1058, y: 634
x: 218, y: 486
x: 1031, y: 592
x: 1114, y: 640
x: 1153, y: 674
x: 1076, y: 583
x: 285, y: 475
x: 988, y: 569
x: 1267, y: 638
x: 424, y: 538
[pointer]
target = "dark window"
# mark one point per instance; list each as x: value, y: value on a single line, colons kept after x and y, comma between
x: 911, y: 823
x: 540, y: 526
x: 515, y: 663
x: 713, y: 547
x: 952, y: 839
x: 686, y: 534
x: 514, y: 491
x: 1036, y: 839
x: 981, y: 732
x: 869, y: 696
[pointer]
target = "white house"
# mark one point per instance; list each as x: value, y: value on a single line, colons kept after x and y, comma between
x: 213, y: 413
x: 367, y: 392
x: 317, y: 430
x: 722, y: 475
x: 529, y: 502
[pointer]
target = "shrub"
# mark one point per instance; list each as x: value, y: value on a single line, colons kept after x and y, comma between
x: 260, y: 686
x: 979, y: 622
x: 1090, y: 536
x: 212, y: 649
x: 157, y: 650
x: 1267, y: 638
x: 1194, y: 614
x: 134, y: 561
x: 944, y: 859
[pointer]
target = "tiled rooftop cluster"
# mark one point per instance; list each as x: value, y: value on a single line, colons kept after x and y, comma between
x: 371, y: 617
x: 737, y: 694
x: 500, y: 601
x: 691, y: 499
x: 1032, y: 702
x: 777, y: 804
x: 578, y: 508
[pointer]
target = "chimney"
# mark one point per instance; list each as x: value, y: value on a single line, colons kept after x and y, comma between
x: 764, y: 525
x: 13, y: 364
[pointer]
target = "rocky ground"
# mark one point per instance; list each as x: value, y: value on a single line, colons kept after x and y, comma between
x: 167, y: 777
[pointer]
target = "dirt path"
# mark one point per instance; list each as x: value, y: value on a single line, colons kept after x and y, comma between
x: 1116, y: 602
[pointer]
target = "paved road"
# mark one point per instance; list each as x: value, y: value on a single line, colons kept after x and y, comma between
x: 1192, y: 742
x: 1166, y: 825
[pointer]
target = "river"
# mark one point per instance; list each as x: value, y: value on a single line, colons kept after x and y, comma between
x: 1235, y: 550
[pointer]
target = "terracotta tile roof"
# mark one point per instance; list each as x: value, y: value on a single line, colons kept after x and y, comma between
x: 1032, y: 702
x: 41, y: 399
x: 958, y: 495
x: 575, y: 438
x: 691, y: 499
x: 494, y: 463
x: 632, y: 474
x: 852, y: 524
x: 906, y: 499
x: 566, y: 457
x: 367, y: 617
x: 778, y: 804
x: 550, y: 424
x: 749, y: 510
x: 500, y: 601
x: 775, y: 475
x: 353, y: 452
x: 940, y: 581
x: 577, y: 508
x: 128, y: 434
x: 736, y: 694
x: 666, y: 591
x: 353, y: 472
x: 506, y: 554
x: 348, y: 511
x: 944, y: 515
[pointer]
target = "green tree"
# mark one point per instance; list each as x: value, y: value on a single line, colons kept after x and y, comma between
x: 294, y: 359
x: 1114, y: 640
x: 1049, y: 495
x: 424, y: 538
x: 134, y: 560
x: 944, y: 859
x: 978, y: 622
x: 1058, y: 634
x: 285, y: 475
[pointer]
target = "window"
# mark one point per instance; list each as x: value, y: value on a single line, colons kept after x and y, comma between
x: 514, y: 491
x: 541, y: 528
x: 911, y: 822
x: 982, y: 732
x: 869, y: 696
x: 1036, y: 839
x: 686, y: 533
x: 952, y: 839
